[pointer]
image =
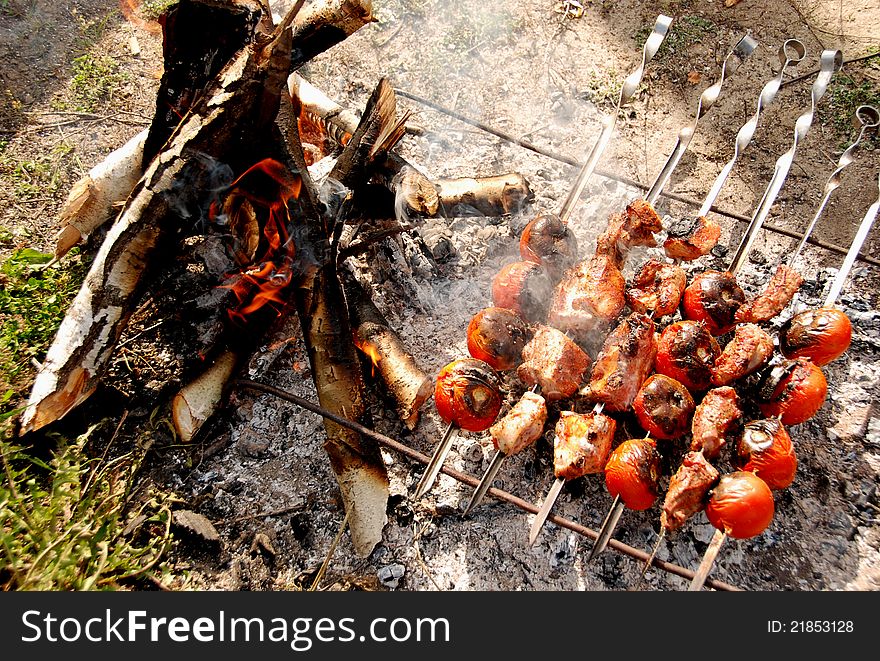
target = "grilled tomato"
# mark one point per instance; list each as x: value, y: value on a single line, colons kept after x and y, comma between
x: 765, y: 449
x: 664, y: 407
x: 468, y: 394
x: 714, y: 297
x: 793, y: 390
x: 497, y: 336
x: 633, y: 471
x: 741, y: 505
x: 821, y: 335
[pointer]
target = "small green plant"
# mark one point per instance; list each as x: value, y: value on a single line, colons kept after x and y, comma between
x: 684, y: 33
x: 32, y: 178
x: 32, y: 304
x: 151, y: 10
x: 95, y: 79
x: 63, y: 523
x: 846, y: 94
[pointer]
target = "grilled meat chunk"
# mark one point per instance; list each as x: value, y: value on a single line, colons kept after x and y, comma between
x: 716, y: 419
x: 590, y: 296
x: 657, y: 287
x: 522, y: 426
x: 626, y: 360
x: 750, y: 349
x: 582, y: 443
x: 555, y: 362
x: 688, y: 239
x: 634, y: 227
x: 688, y: 490
x: 776, y: 295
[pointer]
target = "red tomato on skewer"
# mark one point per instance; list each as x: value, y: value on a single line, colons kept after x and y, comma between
x: 821, y: 335
x: 468, y: 394
x: 795, y: 391
x: 497, y: 336
x: 633, y: 473
x: 741, y: 505
x: 765, y: 449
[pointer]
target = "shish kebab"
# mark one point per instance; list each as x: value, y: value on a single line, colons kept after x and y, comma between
x: 630, y: 85
x: 720, y: 500
x: 547, y: 242
x: 583, y: 442
x: 696, y: 476
x: 748, y: 351
x: 714, y: 297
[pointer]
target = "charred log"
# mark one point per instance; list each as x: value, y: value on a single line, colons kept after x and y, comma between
x: 408, y: 384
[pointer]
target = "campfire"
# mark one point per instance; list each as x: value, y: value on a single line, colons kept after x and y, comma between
x: 254, y: 200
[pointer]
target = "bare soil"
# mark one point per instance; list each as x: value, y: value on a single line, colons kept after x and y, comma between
x: 537, y: 73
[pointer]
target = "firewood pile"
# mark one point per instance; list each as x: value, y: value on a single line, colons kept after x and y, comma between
x: 261, y: 233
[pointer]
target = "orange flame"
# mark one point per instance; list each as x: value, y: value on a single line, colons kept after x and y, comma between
x: 270, y: 185
x: 371, y: 351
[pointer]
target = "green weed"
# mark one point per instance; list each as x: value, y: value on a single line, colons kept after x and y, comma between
x: 845, y: 95
x: 34, y: 178
x: 69, y: 524
x: 151, y: 10
x: 32, y: 303
x: 95, y: 79
x: 684, y: 33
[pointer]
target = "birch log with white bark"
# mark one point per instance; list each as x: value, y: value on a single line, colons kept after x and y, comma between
x: 227, y: 125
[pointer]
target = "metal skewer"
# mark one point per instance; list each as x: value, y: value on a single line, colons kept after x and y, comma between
x: 707, y: 561
x: 744, y: 47
x: 868, y: 117
x: 741, y: 51
x: 630, y: 85
x: 849, y: 260
x: 651, y: 557
x: 489, y: 475
x: 437, y: 459
x: 831, y: 62
x: 791, y: 52
x: 661, y: 28
x: 552, y: 495
x: 609, y: 524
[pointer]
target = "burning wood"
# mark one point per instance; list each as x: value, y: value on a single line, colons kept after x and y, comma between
x: 229, y: 125
x: 325, y: 23
x: 485, y: 196
x: 490, y: 196
x: 405, y: 380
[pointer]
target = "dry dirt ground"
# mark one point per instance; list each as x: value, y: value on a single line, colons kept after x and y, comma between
x: 534, y: 71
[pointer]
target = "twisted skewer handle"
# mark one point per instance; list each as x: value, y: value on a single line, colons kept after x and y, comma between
x: 850, y: 258
x: 740, y: 52
x: 630, y: 85
x: 790, y: 53
x: 868, y: 117
x: 830, y: 63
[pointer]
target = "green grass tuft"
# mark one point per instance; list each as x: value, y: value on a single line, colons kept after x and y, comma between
x: 63, y: 524
x: 32, y: 303
x: 845, y: 95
